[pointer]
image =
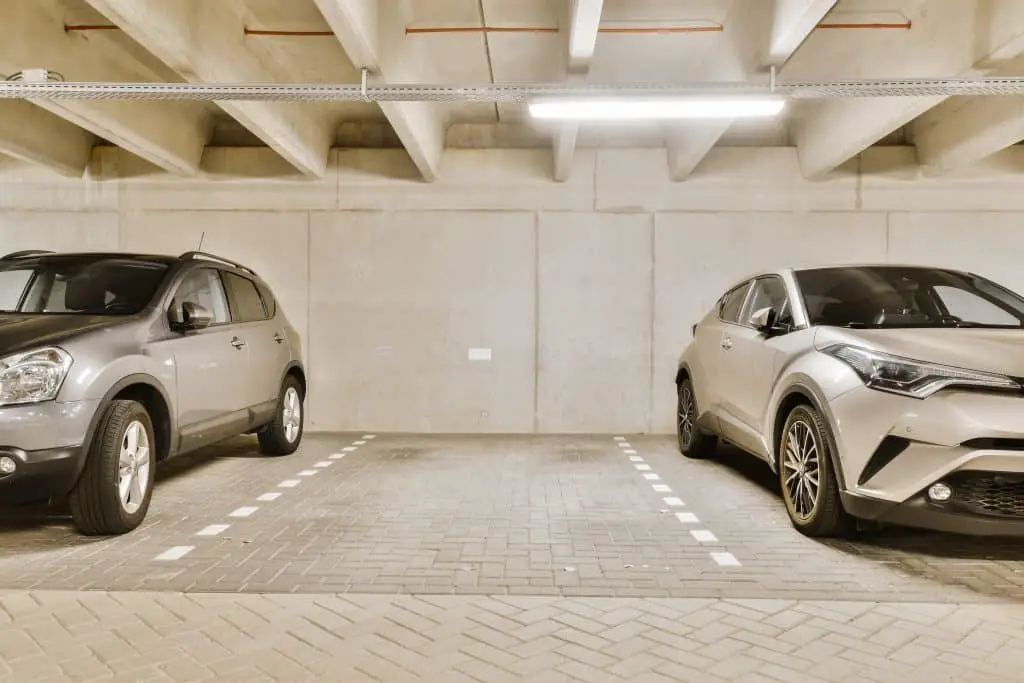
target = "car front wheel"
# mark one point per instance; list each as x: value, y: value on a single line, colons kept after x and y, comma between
x: 693, y: 441
x: 283, y: 435
x: 113, y: 494
x: 809, y: 485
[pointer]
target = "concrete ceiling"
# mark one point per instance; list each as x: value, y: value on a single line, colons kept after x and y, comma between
x: 529, y: 41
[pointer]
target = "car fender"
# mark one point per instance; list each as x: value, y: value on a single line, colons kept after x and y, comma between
x: 805, y: 386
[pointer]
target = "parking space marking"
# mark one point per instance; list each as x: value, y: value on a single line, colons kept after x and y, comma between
x: 175, y: 553
x: 722, y: 559
x: 725, y: 559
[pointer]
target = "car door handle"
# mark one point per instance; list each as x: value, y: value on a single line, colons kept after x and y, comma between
x: 278, y: 338
x: 237, y: 343
x: 727, y: 343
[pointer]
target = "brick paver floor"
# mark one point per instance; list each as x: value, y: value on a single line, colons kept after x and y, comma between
x: 470, y: 558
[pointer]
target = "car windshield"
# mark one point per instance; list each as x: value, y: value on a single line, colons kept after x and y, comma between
x: 86, y: 285
x: 893, y: 296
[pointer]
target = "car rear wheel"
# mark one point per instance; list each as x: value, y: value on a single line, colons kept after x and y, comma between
x: 283, y: 435
x: 113, y: 494
x: 693, y: 441
x: 809, y: 486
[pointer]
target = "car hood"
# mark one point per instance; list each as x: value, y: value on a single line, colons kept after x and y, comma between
x: 25, y: 332
x: 989, y: 350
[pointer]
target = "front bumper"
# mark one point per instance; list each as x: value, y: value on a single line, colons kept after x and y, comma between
x: 46, y: 442
x: 918, y: 512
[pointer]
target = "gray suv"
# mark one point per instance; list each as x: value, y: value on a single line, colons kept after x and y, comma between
x: 113, y: 362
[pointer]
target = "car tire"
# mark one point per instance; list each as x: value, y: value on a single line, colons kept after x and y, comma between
x: 805, y: 455
x: 283, y: 435
x: 113, y: 493
x: 693, y: 441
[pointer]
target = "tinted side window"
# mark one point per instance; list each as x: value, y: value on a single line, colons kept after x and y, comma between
x: 203, y: 287
x: 269, y: 303
x: 770, y: 292
x: 732, y: 303
x: 246, y: 305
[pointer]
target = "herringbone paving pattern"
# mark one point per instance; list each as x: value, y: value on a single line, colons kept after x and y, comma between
x: 409, y: 558
x: 141, y: 636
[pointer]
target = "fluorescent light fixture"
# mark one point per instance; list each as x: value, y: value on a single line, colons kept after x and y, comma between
x: 623, y: 109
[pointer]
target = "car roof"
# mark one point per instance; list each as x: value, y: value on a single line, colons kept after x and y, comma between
x: 73, y: 255
x: 831, y: 266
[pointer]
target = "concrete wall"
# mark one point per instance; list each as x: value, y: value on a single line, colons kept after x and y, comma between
x: 584, y: 291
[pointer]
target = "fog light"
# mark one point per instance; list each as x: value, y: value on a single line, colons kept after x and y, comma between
x: 940, y: 492
x: 7, y: 465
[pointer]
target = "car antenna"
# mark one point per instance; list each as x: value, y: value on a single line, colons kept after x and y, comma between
x: 201, y: 238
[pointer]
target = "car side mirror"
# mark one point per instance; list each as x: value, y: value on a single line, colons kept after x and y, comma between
x: 766, y: 321
x: 191, y: 316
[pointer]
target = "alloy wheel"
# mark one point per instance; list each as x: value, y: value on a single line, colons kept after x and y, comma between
x: 801, y: 464
x: 685, y: 414
x: 133, y: 467
x: 291, y: 414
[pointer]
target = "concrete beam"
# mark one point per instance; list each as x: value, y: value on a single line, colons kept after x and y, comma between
x: 205, y: 41
x: 372, y: 35
x: 39, y: 137
x: 170, y: 135
x: 738, y: 55
x: 793, y: 22
x: 583, y: 18
x: 947, y: 38
x: 963, y: 131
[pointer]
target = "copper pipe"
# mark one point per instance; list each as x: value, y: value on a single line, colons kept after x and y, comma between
x: 91, y: 27
x: 548, y: 29
x: 264, y: 32
x: 905, y: 25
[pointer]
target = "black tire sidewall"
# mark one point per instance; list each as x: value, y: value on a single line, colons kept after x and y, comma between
x: 137, y: 413
x: 810, y: 417
x: 291, y: 383
x: 684, y: 386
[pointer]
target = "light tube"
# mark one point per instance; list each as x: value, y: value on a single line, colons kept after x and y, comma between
x: 657, y: 108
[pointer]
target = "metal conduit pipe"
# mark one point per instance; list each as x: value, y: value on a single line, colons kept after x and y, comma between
x: 34, y: 88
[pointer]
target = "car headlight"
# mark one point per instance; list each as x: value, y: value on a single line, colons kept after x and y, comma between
x: 34, y: 376
x: 909, y: 377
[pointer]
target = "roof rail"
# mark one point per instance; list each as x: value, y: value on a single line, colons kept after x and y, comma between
x: 25, y: 254
x: 196, y: 255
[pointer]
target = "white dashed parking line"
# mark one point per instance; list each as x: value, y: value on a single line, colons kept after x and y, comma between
x: 177, y: 552
x: 722, y: 559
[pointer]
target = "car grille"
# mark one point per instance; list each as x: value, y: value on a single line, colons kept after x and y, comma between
x: 993, y: 494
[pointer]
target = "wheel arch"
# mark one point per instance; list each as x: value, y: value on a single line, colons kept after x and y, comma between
x: 148, y: 391
x: 295, y: 369
x: 797, y: 394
